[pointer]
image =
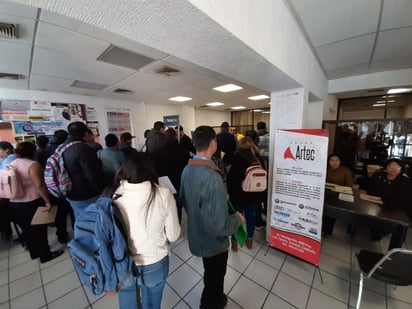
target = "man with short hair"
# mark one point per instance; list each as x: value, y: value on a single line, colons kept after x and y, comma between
x: 204, y: 197
x: 185, y: 140
x: 226, y: 142
x: 111, y: 157
x: 155, y: 138
x: 84, y: 169
x: 90, y: 140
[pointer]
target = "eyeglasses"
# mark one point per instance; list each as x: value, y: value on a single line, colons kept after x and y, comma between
x: 391, y: 167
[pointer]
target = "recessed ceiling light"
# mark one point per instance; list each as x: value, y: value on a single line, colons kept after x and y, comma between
x: 391, y: 101
x: 379, y: 104
x: 258, y: 110
x: 399, y: 90
x: 215, y: 104
x: 258, y: 97
x: 238, y: 107
x: 267, y: 112
x: 180, y: 99
x: 380, y: 101
x: 228, y: 88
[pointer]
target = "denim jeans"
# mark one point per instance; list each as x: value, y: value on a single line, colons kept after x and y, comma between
x: 151, y: 281
x: 79, y: 206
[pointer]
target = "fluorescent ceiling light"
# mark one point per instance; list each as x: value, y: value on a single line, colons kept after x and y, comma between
x: 180, y: 99
x: 228, y: 88
x: 380, y: 101
x: 258, y: 110
x: 258, y: 97
x: 267, y: 112
x: 376, y: 105
x: 391, y: 101
x: 215, y: 104
x: 399, y: 90
x: 238, y: 107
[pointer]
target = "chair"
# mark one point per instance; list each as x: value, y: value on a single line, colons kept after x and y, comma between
x: 394, y: 268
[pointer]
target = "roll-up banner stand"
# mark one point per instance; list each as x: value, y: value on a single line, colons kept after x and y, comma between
x: 298, y: 192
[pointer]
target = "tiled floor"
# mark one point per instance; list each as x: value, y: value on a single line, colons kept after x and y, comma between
x: 257, y: 278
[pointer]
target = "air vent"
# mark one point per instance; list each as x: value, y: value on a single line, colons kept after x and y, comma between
x: 168, y: 71
x: 8, y: 31
x: 122, y: 57
x: 10, y: 76
x: 376, y: 90
x: 87, y: 85
x: 120, y: 90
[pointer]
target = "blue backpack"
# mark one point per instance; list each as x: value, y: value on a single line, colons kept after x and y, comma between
x: 99, y: 248
x: 56, y: 177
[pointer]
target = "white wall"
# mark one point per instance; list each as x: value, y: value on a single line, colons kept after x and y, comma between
x: 330, y: 108
x: 143, y: 115
x: 312, y: 119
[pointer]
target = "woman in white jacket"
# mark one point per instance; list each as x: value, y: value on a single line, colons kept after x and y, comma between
x: 150, y: 214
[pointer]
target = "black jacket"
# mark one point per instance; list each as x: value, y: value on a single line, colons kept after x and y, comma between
x: 85, y: 171
x: 226, y: 142
x: 241, y: 161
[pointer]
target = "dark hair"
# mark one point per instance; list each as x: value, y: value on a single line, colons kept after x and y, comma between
x: 397, y: 161
x: 225, y: 125
x: 60, y: 136
x: 7, y: 146
x: 180, y: 128
x: 139, y: 167
x: 146, y: 133
x: 77, y: 130
x: 42, y: 141
x: 253, y: 135
x: 261, y: 125
x: 26, y: 150
x: 170, y: 135
x: 89, y: 131
x: 334, y: 155
x: 111, y: 140
x: 202, y: 137
x: 158, y: 125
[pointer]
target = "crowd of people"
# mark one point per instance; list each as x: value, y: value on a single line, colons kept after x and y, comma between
x: 152, y: 213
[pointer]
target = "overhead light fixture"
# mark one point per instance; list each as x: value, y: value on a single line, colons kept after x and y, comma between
x: 228, y: 88
x: 399, y: 90
x: 238, y: 107
x: 380, y: 101
x: 391, y: 101
x: 215, y: 104
x: 258, y: 97
x: 180, y: 99
x: 267, y: 112
x: 379, y: 104
x: 258, y: 110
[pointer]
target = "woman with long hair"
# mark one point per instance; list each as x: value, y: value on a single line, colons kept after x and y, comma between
x: 36, y: 194
x: 150, y: 215
x: 247, y: 203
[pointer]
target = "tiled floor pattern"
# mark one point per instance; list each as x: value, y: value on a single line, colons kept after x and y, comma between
x: 257, y: 278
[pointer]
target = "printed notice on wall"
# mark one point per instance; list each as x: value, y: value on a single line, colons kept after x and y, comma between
x: 118, y: 120
x: 298, y: 192
x: 288, y: 109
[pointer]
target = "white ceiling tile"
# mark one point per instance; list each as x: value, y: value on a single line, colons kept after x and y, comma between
x: 15, y: 9
x: 357, y: 69
x: 391, y: 64
x: 396, y: 14
x: 11, y: 50
x: 46, y: 83
x: 15, y: 66
x: 52, y: 63
x: 346, y: 53
x: 69, y: 41
x: 394, y: 44
x: 14, y: 84
x: 329, y: 21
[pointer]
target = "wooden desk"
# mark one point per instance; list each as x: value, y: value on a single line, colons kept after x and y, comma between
x: 368, y: 213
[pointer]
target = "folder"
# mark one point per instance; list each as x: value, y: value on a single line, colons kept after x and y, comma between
x: 44, y: 217
x: 241, y: 233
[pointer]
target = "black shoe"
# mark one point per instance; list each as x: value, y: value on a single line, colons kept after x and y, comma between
x: 63, y: 240
x: 224, y: 302
x: 53, y: 255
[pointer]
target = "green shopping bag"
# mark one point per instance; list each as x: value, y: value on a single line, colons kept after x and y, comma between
x: 241, y: 233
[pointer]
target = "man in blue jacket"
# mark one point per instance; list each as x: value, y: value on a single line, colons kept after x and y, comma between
x: 203, y: 195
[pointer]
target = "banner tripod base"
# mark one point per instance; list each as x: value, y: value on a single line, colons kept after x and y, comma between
x: 317, y: 266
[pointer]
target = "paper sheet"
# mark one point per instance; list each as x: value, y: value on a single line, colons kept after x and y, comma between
x: 164, y: 181
x: 371, y: 198
x: 44, y: 217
